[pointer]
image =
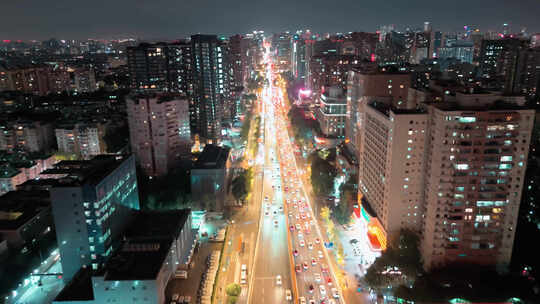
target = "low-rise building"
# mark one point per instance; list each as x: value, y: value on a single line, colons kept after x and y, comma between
x: 154, y: 246
x: 25, y: 216
x: 332, y: 113
x: 210, y: 177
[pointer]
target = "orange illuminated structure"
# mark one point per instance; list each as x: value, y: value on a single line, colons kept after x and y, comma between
x: 376, y: 234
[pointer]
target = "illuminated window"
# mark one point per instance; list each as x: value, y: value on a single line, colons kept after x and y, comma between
x: 461, y: 166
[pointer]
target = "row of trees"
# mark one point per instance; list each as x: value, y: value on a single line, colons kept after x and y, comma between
x: 322, y: 174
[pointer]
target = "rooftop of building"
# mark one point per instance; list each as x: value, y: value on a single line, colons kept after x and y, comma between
x: 79, y: 288
x: 147, y: 241
x: 18, y: 207
x: 385, y: 109
x: 12, y: 161
x: 212, y: 157
x: 78, y: 172
x: 161, y: 97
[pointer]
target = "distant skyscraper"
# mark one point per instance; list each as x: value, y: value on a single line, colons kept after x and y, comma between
x: 159, y: 131
x: 209, y: 81
x: 160, y: 67
x: 498, y: 62
x: 90, y: 205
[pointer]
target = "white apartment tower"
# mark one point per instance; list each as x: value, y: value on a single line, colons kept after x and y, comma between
x: 159, y: 131
x: 391, y: 165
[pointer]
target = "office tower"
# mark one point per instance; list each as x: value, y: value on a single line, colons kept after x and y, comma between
x: 332, y: 112
x: 498, y: 62
x: 208, y: 87
x: 160, y: 67
x: 159, y: 131
x: 84, y: 140
x: 91, y: 202
x: 298, y: 57
x: 420, y: 47
x: 234, y: 57
x: 391, y: 166
x: 476, y: 159
x: 281, y: 45
x: 461, y: 50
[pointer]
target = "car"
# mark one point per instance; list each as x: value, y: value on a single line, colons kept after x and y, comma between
x: 307, y: 231
x: 311, y: 288
x: 313, y: 261
x: 322, y: 290
x: 335, y: 293
x: 276, y: 223
x: 290, y: 214
x: 288, y: 295
x: 175, y: 297
x: 303, y: 216
x: 302, y: 300
x: 310, y: 245
x: 305, y: 265
x: 295, y: 206
x: 266, y: 213
x: 275, y: 212
x: 300, y: 235
x: 298, y: 268
x: 295, y: 252
x: 302, y: 243
x: 297, y: 217
x: 311, y: 301
x: 317, y: 277
x: 278, y: 280
x: 317, y: 241
x: 320, y: 254
x: 329, y: 281
x: 324, y: 268
x: 298, y: 227
x: 291, y: 228
x: 309, y: 216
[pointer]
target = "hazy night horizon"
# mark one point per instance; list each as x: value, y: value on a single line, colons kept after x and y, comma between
x: 79, y: 19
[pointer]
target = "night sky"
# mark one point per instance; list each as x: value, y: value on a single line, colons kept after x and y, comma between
x: 68, y: 19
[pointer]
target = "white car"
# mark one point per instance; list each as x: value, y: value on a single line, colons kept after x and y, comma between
x: 302, y: 300
x: 310, y: 245
x: 320, y: 254
x: 288, y: 295
x: 335, y: 294
x: 278, y: 280
x: 302, y: 243
x: 322, y: 290
x: 298, y: 227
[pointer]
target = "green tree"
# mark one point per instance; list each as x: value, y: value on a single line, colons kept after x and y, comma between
x: 239, y: 189
x: 232, y: 299
x: 233, y: 289
x: 402, y: 257
x: 322, y: 175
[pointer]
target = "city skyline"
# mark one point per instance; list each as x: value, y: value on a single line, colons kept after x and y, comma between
x: 119, y: 19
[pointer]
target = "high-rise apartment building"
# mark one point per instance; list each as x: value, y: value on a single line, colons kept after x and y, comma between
x: 160, y: 67
x: 209, y: 87
x: 476, y: 156
x: 451, y: 170
x: 498, y: 62
x: 281, y: 45
x: 84, y: 140
x: 91, y: 203
x: 32, y: 136
x: 364, y: 87
x: 159, y: 131
x: 391, y: 165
